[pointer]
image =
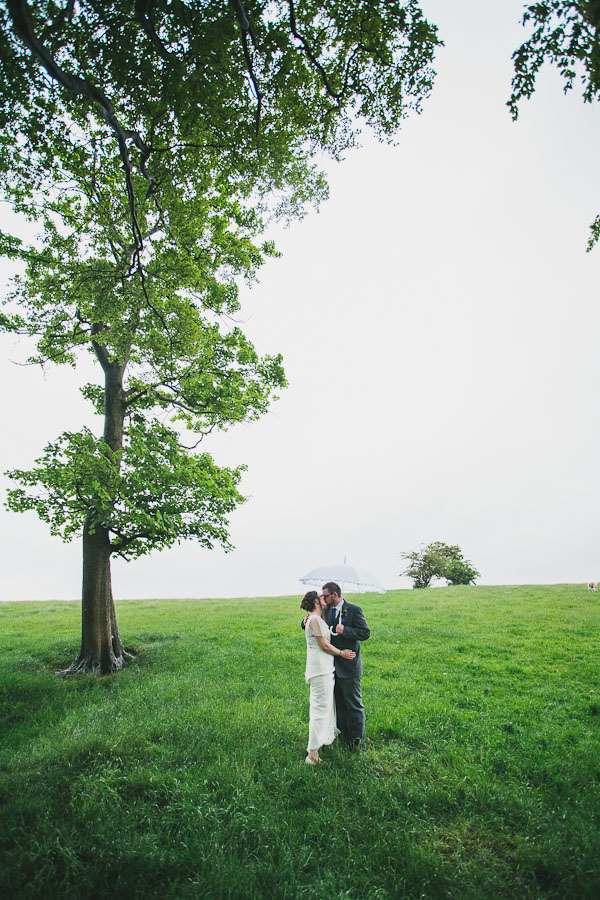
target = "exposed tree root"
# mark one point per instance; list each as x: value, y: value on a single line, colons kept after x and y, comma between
x: 86, y: 664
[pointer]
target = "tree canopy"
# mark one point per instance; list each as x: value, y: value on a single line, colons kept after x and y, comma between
x: 151, y: 143
x: 241, y: 95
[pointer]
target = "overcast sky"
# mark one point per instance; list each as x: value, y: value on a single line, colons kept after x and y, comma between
x: 440, y: 326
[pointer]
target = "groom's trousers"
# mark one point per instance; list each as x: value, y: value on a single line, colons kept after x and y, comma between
x: 350, y: 711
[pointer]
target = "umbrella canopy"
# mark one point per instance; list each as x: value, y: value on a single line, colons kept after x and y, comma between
x: 358, y: 581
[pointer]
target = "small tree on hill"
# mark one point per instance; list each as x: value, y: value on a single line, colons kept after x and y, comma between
x: 438, y: 560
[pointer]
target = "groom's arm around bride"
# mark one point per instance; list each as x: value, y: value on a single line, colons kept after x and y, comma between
x: 347, y: 634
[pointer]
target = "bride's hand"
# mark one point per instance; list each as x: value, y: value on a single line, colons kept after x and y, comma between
x: 348, y: 654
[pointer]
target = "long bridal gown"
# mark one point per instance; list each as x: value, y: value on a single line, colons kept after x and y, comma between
x: 320, y: 675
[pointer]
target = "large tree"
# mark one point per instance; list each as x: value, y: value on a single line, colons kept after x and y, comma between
x: 566, y: 34
x: 150, y: 142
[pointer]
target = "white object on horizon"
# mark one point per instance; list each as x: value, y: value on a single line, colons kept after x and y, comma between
x: 358, y: 581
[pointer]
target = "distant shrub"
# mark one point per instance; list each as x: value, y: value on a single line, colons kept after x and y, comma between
x: 460, y: 571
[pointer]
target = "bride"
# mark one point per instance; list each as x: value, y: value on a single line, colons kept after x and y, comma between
x: 319, y: 674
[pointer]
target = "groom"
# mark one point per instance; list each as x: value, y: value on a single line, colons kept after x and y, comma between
x: 348, y: 627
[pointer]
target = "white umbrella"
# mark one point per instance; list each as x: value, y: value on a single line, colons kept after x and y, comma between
x: 358, y: 581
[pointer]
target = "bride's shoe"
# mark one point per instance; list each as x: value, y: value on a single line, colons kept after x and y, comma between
x: 311, y: 761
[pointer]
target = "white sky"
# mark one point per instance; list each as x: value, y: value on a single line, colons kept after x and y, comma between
x: 440, y: 328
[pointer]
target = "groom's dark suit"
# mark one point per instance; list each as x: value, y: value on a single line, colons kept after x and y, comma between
x: 348, y: 672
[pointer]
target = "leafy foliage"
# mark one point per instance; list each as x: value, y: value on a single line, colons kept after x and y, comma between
x: 438, y: 560
x: 565, y: 33
x: 239, y: 97
x: 150, y: 494
x: 460, y: 571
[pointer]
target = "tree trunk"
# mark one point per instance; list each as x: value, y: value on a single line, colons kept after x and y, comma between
x: 101, y: 648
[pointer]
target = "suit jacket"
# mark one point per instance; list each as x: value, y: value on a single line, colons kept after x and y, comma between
x: 355, y: 631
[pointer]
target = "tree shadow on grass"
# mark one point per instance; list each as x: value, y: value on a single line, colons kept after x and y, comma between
x: 29, y: 698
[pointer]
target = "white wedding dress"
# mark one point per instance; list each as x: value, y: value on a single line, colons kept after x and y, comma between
x: 319, y: 674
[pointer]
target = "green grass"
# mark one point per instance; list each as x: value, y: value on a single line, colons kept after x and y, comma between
x: 184, y: 776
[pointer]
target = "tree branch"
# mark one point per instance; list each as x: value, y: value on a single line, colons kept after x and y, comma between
x: 131, y: 396
x: 99, y: 349
x: 19, y: 13
x: 142, y: 17
x: 246, y: 30
x: 200, y: 439
x: 335, y: 95
x: 123, y: 542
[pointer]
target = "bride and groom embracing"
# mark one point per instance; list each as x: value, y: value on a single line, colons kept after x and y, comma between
x: 334, y: 629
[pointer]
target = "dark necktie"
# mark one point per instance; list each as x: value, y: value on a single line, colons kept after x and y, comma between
x: 334, y: 619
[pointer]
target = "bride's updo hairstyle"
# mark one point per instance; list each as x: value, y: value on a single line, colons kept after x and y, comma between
x: 309, y: 601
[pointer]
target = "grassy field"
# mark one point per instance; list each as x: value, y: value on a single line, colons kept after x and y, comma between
x: 184, y: 776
